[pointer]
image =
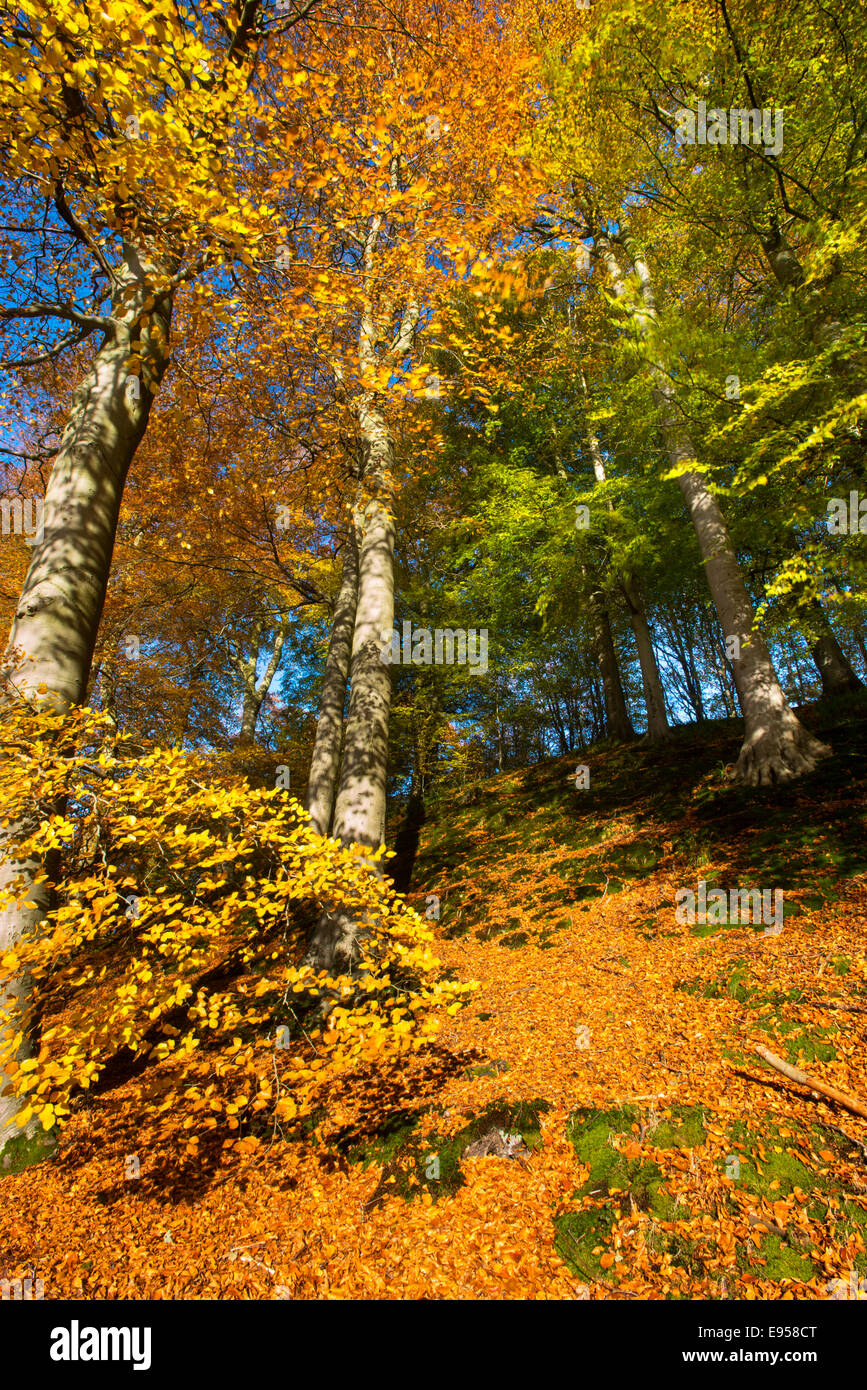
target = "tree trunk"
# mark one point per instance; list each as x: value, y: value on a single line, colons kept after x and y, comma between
x: 617, y: 720
x: 246, y: 668
x: 27, y: 1142
x: 776, y: 747
x: 596, y: 711
x: 255, y: 691
x: 654, y: 699
x: 325, y: 763
x: 359, y: 812
x: 835, y: 672
x: 694, y: 681
x: 56, y: 620
x: 654, y: 695
x: 54, y: 629
x: 249, y: 714
x: 500, y: 758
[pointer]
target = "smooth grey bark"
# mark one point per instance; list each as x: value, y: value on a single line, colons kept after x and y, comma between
x: 255, y: 691
x: 788, y: 272
x: 359, y: 810
x: 776, y: 747
x: 57, y: 616
x: 16, y: 1006
x: 360, y: 807
x: 785, y: 265
x: 325, y: 762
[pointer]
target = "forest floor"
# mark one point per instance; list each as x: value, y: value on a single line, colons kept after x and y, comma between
x: 648, y: 1151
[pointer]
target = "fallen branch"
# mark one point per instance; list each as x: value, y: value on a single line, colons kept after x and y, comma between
x: 856, y: 1106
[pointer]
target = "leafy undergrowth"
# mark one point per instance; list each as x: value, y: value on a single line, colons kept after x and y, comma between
x: 594, y: 1122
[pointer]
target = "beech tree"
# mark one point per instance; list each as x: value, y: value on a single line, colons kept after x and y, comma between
x: 777, y: 747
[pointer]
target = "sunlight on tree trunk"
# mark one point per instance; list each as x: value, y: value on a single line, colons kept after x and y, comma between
x: 776, y: 747
x: 54, y: 630
x: 359, y: 812
x: 325, y: 762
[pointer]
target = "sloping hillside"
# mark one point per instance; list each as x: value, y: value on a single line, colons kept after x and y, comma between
x: 683, y: 1165
x: 595, y: 1122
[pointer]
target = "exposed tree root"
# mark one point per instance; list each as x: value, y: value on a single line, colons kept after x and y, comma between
x: 777, y: 751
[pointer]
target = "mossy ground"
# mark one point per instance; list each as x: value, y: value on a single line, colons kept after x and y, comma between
x: 760, y: 1165
x: 802, y: 1045
x: 414, y: 1163
x: 27, y: 1151
x: 529, y: 880
x: 616, y: 1178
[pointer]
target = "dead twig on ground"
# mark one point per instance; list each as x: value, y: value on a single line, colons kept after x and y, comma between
x: 852, y: 1103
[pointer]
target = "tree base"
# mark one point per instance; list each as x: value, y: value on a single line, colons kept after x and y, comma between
x: 849, y: 685
x: 657, y: 736
x: 777, y: 749
x: 335, y: 944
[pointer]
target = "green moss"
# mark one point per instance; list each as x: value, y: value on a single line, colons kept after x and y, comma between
x: 498, y: 928
x: 758, y: 1174
x: 515, y: 941
x: 685, y: 1129
x: 490, y: 1068
x: 578, y: 1233
x: 590, y: 1132
x: 413, y: 1166
x: 733, y: 983
x: 639, y: 1179
x: 637, y: 859
x: 782, y: 1262
x: 812, y: 1047
x: 382, y: 1146
x: 853, y: 1219
x: 25, y: 1152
